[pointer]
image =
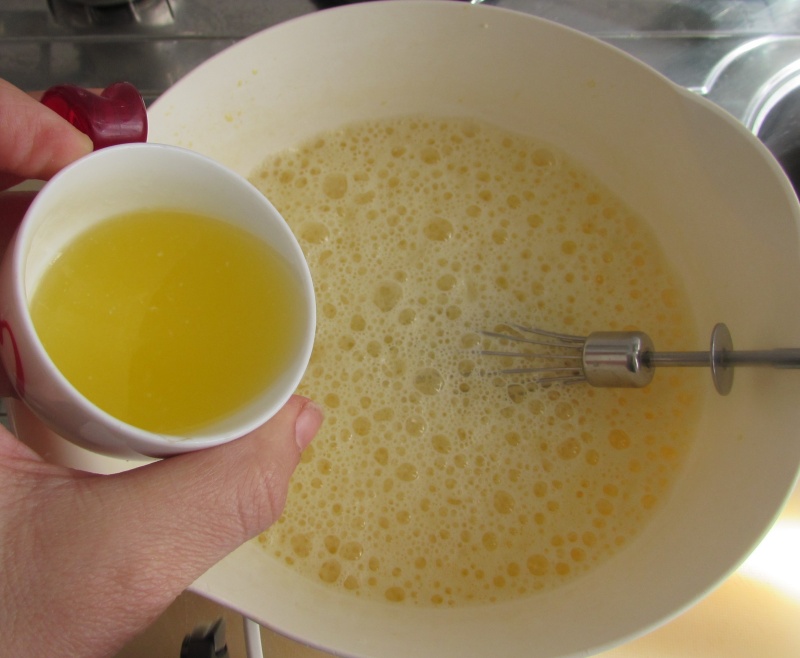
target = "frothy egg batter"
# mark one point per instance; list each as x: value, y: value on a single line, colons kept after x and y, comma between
x: 432, y: 482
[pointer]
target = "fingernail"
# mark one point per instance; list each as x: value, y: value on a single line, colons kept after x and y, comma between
x: 85, y: 141
x: 307, y: 424
x: 83, y: 146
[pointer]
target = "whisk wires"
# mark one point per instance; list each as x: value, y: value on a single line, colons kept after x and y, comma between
x: 559, y: 356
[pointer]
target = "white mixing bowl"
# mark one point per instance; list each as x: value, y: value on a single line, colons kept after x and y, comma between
x: 717, y: 202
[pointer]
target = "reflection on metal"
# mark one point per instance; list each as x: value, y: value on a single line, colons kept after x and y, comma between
x: 772, y: 92
x: 719, y: 69
x: 127, y: 14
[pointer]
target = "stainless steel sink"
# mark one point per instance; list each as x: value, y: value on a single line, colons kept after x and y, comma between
x: 151, y: 43
x: 780, y: 131
x: 743, y: 55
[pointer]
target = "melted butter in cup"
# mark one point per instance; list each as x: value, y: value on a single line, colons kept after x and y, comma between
x: 154, y: 303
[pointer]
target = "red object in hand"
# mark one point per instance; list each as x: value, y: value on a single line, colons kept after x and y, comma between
x: 117, y: 115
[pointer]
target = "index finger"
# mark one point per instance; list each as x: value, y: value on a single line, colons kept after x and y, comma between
x: 34, y: 141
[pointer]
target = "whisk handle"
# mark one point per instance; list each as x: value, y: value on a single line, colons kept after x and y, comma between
x: 618, y: 359
x: 784, y: 357
x: 778, y: 358
x: 722, y: 358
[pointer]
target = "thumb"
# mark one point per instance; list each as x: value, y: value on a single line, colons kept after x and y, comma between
x: 194, y: 509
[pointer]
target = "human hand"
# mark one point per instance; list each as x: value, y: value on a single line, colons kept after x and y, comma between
x: 88, y: 561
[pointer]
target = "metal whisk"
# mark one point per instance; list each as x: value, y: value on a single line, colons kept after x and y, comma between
x: 625, y: 359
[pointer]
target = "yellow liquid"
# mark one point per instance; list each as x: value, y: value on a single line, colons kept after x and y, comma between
x: 167, y: 320
x: 431, y: 483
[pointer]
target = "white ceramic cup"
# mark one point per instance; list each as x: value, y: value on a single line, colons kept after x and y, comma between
x: 104, y: 184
